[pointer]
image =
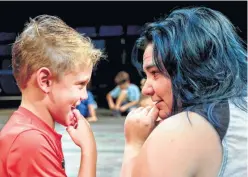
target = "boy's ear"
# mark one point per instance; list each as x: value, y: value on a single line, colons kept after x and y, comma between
x: 44, y: 79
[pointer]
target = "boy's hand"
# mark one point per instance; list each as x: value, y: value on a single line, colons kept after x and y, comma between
x: 81, y: 133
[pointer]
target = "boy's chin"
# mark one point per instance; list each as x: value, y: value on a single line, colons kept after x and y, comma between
x: 68, y: 123
x: 65, y: 123
x: 62, y: 123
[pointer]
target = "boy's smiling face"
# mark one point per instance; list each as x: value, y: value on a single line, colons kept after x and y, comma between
x: 67, y: 93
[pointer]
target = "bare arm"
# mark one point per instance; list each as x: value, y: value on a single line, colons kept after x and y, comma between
x: 138, y: 125
x: 88, y: 163
x: 83, y: 136
x: 179, y: 149
x: 120, y: 99
x: 110, y: 101
x: 92, y: 112
x: 129, y: 160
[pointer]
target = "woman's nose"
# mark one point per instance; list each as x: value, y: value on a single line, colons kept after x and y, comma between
x: 147, y: 89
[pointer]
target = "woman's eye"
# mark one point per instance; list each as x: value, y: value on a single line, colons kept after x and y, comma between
x: 154, y: 72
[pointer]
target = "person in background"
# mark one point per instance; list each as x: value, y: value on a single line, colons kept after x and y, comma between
x: 125, y: 96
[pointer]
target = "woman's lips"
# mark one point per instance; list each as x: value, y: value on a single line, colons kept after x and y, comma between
x: 157, y: 104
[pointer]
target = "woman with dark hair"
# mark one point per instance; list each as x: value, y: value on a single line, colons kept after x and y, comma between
x: 196, y: 68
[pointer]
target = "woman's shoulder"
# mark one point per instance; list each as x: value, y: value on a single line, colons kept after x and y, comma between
x: 185, y: 118
x: 188, y: 129
x: 185, y: 138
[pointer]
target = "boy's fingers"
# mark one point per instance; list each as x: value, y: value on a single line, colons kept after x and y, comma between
x: 77, y: 114
x: 70, y: 129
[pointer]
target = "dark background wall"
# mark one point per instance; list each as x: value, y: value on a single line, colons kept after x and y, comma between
x: 13, y: 15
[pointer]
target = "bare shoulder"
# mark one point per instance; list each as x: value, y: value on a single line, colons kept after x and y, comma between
x: 185, y: 122
x: 182, y: 145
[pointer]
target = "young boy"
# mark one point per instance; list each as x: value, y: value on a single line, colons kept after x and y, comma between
x: 52, y: 65
x: 126, y: 94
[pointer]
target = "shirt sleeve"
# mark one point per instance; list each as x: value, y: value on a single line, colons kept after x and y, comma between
x: 134, y: 93
x: 115, y: 92
x: 32, y: 155
x: 90, y: 98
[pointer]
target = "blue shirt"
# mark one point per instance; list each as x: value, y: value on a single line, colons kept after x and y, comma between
x: 133, y: 92
x: 83, y: 107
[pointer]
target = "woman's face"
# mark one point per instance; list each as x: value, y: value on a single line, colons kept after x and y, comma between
x: 157, y: 85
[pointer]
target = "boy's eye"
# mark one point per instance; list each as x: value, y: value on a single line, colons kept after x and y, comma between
x: 80, y: 88
x: 82, y: 85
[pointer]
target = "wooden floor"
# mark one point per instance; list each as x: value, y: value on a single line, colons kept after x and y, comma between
x: 109, y: 136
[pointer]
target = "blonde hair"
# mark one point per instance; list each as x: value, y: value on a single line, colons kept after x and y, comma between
x: 47, y: 41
